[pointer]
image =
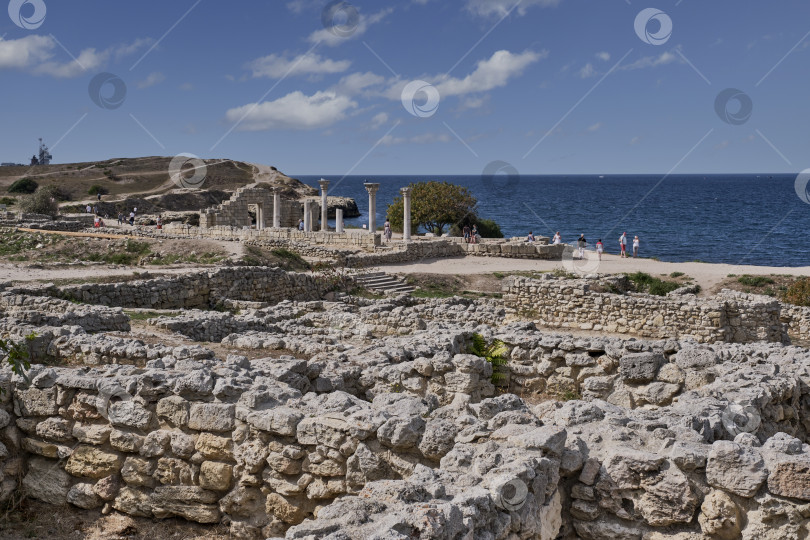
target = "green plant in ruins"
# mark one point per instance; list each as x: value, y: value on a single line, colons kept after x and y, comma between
x: 16, y: 354
x: 494, y: 353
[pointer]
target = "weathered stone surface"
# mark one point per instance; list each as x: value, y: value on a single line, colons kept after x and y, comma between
x: 83, y: 496
x: 46, y: 481
x: 719, y: 516
x: 211, y: 417
x: 790, y: 478
x: 215, y: 476
x: 735, y: 468
x: 640, y: 367
x: 214, y: 447
x: 174, y: 410
x: 91, y: 462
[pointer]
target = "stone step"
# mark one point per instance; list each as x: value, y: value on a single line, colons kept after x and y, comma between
x: 382, y: 282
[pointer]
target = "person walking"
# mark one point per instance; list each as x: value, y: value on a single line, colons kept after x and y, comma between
x: 387, y: 231
x: 466, y: 232
x: 581, y: 243
x: 99, y: 195
x: 160, y: 222
x: 599, y: 248
x: 474, y: 234
x: 120, y: 218
x: 300, y: 224
x: 635, y: 246
x: 131, y: 219
x: 557, y: 238
x: 623, y: 245
x: 88, y: 209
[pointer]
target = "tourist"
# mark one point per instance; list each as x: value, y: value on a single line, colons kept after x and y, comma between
x: 160, y: 222
x: 96, y: 220
x: 557, y: 238
x: 599, y: 248
x: 135, y: 210
x: 530, y: 238
x: 387, y: 231
x: 635, y: 246
x: 95, y: 209
x: 120, y: 218
x: 474, y: 234
x: 300, y: 224
x: 132, y: 218
x: 581, y: 243
x: 466, y: 232
x: 99, y: 195
x: 88, y: 209
x: 623, y: 245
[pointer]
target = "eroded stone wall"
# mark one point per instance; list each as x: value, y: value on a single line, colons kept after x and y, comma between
x: 572, y: 303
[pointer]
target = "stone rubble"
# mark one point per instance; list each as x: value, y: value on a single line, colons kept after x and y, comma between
x: 371, y: 419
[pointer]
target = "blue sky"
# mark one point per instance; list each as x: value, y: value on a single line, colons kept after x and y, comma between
x: 548, y: 86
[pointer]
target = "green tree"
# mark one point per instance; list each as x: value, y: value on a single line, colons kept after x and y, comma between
x: 434, y: 206
x: 42, y: 202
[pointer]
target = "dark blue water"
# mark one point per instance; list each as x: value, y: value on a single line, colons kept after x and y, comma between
x: 737, y: 219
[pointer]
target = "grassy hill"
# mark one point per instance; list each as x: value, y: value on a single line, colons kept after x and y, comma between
x: 123, y: 177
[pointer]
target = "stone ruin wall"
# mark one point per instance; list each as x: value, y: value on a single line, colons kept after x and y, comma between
x: 730, y: 316
x: 196, y: 290
x: 234, y: 211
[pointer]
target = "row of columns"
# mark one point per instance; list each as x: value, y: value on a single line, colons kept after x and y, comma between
x: 371, y: 188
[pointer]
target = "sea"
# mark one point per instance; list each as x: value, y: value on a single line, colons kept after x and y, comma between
x: 753, y: 219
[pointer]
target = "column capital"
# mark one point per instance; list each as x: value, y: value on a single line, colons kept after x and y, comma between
x: 324, y: 183
x: 371, y: 187
x: 405, y: 191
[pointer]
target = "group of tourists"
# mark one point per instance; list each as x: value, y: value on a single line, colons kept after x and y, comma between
x: 131, y: 220
x: 582, y: 243
x: 471, y: 235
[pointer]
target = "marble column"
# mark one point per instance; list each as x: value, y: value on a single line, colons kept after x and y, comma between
x: 307, y: 216
x: 406, y: 205
x: 339, y: 220
x: 324, y: 207
x: 276, y: 209
x: 372, y: 206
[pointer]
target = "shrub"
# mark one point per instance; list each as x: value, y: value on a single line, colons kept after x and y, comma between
x: 652, y: 285
x: 23, y: 185
x: 496, y: 354
x: 755, y: 281
x: 676, y: 274
x: 41, y: 202
x: 799, y: 293
x: 96, y: 189
x: 8, y: 201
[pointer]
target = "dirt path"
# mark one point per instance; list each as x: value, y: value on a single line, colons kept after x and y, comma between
x: 707, y: 275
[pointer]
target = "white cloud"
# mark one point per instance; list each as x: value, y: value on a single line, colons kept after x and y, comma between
x: 25, y: 52
x: 38, y: 55
x: 152, y: 79
x: 131, y: 48
x: 587, y: 71
x: 499, y: 8
x: 293, y: 111
x: 492, y: 73
x: 88, y: 60
x: 426, y: 138
x: 595, y: 127
x: 473, y: 102
x: 356, y: 83
x: 379, y: 120
x: 331, y: 39
x: 276, y: 67
x: 651, y: 61
x: 604, y: 56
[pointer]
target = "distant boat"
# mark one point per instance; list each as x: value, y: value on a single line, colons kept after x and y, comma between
x: 601, y: 176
